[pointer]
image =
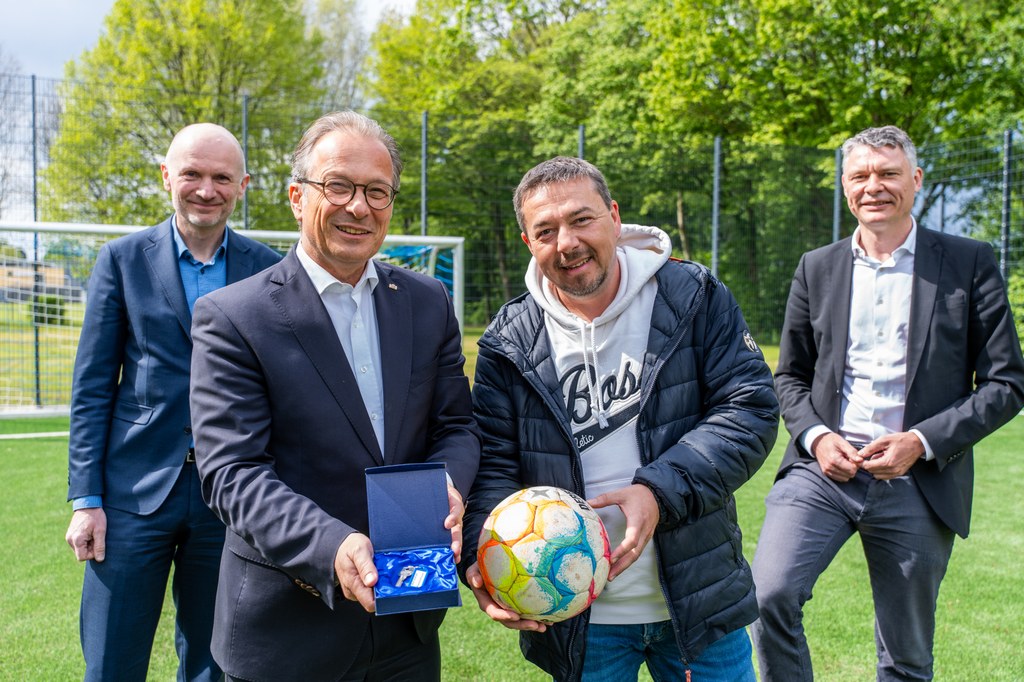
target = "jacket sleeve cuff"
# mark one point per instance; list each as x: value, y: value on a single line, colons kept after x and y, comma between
x: 929, y: 454
x: 808, y: 437
x: 91, y: 502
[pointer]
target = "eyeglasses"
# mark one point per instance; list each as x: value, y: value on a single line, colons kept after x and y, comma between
x: 339, y: 191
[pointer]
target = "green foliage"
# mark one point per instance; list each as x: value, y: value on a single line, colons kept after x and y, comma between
x: 507, y: 84
x: 813, y: 73
x: 10, y: 251
x: 1015, y: 291
x: 163, y: 66
x: 480, y: 136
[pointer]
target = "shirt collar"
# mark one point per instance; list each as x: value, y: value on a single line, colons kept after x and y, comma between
x: 322, y: 279
x: 182, y: 248
x: 909, y: 245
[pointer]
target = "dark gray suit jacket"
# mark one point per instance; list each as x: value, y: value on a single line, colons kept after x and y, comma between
x: 965, y: 375
x: 282, y: 442
x: 130, y: 425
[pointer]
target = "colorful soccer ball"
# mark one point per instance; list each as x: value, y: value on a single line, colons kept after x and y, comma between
x: 544, y: 554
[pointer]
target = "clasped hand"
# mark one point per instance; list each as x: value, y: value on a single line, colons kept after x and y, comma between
x: 884, y: 458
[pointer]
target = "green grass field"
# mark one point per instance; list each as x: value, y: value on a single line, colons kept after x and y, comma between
x: 981, y: 606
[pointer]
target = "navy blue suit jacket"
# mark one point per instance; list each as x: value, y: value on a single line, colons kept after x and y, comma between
x: 965, y: 375
x: 282, y: 442
x: 130, y: 426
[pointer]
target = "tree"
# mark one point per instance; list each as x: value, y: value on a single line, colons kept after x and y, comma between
x: 452, y: 60
x: 592, y: 70
x: 344, y: 48
x: 761, y: 74
x: 812, y: 73
x: 160, y: 66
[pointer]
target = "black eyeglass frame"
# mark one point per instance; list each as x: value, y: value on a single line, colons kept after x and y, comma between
x: 355, y: 186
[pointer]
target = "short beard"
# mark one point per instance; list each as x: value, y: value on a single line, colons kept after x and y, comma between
x: 584, y: 290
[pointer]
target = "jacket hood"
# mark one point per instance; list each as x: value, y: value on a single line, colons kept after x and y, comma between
x: 641, y: 251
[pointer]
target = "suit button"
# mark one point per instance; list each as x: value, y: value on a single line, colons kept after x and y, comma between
x: 188, y: 430
x: 307, y: 587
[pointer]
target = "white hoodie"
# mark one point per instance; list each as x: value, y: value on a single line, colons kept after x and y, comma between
x: 608, y: 354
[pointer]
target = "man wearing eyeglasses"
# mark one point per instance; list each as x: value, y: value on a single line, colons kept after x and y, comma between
x: 325, y: 365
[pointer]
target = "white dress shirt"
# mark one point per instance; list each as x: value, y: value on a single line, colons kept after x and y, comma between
x: 354, y: 317
x: 875, y: 375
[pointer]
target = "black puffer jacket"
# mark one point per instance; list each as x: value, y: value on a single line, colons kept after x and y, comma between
x: 708, y: 419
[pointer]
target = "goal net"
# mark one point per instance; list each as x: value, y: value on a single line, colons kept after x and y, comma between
x: 44, y: 270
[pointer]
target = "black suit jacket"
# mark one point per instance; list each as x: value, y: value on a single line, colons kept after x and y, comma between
x: 282, y: 442
x: 965, y: 375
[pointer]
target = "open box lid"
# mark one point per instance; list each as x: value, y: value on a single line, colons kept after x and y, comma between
x: 407, y: 505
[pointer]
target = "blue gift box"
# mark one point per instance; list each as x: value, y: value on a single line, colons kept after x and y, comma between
x: 407, y: 504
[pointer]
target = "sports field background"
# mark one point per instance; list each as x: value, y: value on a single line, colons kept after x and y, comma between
x: 980, y: 613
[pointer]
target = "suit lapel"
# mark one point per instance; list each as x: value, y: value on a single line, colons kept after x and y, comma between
x: 394, y: 328
x: 240, y: 262
x: 299, y: 303
x: 838, y: 281
x: 927, y: 270
x: 162, y: 258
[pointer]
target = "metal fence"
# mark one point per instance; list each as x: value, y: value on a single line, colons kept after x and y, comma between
x: 747, y: 211
x: 43, y: 279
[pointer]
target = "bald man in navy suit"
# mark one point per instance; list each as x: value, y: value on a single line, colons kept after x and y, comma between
x: 132, y: 476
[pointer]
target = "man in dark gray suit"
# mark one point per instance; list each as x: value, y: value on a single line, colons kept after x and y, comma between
x: 131, y: 477
x: 322, y: 366
x: 898, y: 354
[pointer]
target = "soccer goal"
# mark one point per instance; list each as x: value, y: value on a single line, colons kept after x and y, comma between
x: 44, y: 269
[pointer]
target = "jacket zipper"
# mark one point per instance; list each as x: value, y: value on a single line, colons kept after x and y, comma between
x: 645, y: 460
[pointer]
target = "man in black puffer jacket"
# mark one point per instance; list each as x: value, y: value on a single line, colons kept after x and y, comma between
x: 630, y: 379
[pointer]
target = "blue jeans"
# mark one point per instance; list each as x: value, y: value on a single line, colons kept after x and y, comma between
x: 615, y: 652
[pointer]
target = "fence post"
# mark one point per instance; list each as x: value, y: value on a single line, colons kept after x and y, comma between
x: 1004, y: 248
x: 423, y: 176
x: 35, y: 159
x: 245, y: 155
x: 715, y: 195
x: 942, y: 209
x: 837, y: 203
x: 581, y: 140
x: 37, y: 275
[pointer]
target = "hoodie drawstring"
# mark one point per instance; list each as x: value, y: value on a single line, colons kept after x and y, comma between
x: 595, y: 399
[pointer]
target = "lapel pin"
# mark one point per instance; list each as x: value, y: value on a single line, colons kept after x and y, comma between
x: 393, y: 286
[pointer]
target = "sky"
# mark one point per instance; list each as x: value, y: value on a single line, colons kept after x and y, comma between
x: 43, y: 36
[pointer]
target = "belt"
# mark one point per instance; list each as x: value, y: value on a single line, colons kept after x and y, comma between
x: 190, y: 456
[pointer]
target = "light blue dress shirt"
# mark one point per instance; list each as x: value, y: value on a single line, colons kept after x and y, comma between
x: 354, y: 316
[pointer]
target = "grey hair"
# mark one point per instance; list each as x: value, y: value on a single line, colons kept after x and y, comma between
x: 552, y: 171
x: 349, y: 122
x: 885, y: 136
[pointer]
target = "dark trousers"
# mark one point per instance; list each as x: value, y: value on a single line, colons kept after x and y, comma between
x: 123, y: 595
x: 809, y: 518
x: 392, y: 651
